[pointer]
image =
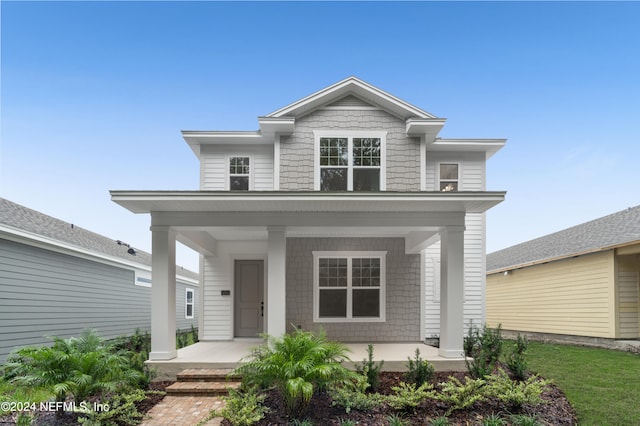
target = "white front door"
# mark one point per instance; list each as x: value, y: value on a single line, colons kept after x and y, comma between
x: 249, y: 298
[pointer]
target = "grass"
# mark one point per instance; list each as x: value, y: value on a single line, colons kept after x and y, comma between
x: 602, y: 385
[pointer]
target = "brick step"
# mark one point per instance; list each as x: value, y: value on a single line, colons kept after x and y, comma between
x: 200, y: 388
x: 206, y: 375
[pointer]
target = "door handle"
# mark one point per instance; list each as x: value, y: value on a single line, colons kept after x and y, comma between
x: 262, y: 309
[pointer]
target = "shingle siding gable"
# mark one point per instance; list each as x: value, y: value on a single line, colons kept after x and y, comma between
x: 297, y: 154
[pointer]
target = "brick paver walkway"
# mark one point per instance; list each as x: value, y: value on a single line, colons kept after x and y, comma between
x: 183, y: 411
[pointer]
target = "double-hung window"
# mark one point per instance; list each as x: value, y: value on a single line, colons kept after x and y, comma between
x: 239, y: 173
x: 352, y: 161
x: 188, y: 303
x: 349, y: 286
x: 449, y: 177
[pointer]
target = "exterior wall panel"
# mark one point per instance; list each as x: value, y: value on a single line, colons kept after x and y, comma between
x: 214, y: 166
x: 629, y: 297
x: 565, y: 297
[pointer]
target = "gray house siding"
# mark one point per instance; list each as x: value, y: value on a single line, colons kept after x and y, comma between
x: 297, y: 154
x: 46, y: 293
x: 402, y: 322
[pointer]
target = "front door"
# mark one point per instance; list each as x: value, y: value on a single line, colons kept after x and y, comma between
x: 249, y: 299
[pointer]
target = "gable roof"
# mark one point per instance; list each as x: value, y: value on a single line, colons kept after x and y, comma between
x: 15, y: 217
x: 351, y: 87
x: 615, y: 230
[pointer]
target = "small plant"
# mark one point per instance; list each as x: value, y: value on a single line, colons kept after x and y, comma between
x: 370, y: 369
x: 484, y: 349
x: 515, y: 394
x: 244, y: 408
x: 440, y: 421
x: 396, y: 420
x: 352, y: 395
x: 517, y: 360
x: 297, y: 422
x: 524, y: 420
x: 346, y: 422
x: 494, y: 420
x: 460, y: 395
x: 297, y: 365
x: 420, y: 371
x: 407, y: 396
x: 122, y: 410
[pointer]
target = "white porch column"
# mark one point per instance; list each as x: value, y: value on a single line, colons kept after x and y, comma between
x: 276, y: 285
x: 163, y: 293
x: 452, y: 292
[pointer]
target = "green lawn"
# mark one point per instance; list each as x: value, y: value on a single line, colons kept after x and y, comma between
x: 603, y: 385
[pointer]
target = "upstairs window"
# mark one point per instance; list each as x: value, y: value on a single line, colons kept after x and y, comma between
x: 449, y: 177
x: 239, y: 173
x: 351, y: 163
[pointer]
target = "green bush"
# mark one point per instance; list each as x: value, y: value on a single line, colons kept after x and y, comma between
x: 493, y: 420
x: 407, y: 396
x: 419, y: 371
x: 297, y: 365
x: 370, y: 369
x: 122, y: 410
x: 484, y: 348
x: 524, y: 420
x: 81, y: 367
x: 395, y: 420
x: 352, y: 394
x: 514, y: 394
x: 440, y: 421
x: 516, y: 359
x: 244, y: 408
x: 460, y: 395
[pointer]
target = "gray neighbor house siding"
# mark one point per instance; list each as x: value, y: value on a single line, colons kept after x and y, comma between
x: 57, y: 279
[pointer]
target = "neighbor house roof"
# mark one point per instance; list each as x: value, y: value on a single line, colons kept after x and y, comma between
x: 17, y: 219
x: 615, y: 230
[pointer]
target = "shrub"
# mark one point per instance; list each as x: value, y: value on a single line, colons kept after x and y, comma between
x: 244, y: 408
x: 460, y: 395
x: 297, y: 365
x: 485, y: 348
x: 407, y: 396
x: 122, y: 410
x: 515, y: 394
x: 370, y: 369
x: 395, y: 420
x: 516, y: 359
x: 420, y: 371
x: 524, y: 420
x: 493, y: 420
x: 80, y: 367
x: 440, y: 421
x: 352, y: 395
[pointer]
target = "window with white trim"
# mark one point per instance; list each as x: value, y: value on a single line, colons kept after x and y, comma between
x: 349, y: 286
x: 350, y: 162
x: 449, y: 177
x: 188, y: 303
x: 239, y: 173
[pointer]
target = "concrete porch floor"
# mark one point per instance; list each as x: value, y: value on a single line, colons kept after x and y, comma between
x: 227, y: 354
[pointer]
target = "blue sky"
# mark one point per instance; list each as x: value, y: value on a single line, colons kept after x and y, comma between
x: 94, y: 95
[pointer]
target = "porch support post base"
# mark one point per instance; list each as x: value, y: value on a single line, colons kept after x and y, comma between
x: 163, y: 293
x: 452, y: 292
x: 276, y: 281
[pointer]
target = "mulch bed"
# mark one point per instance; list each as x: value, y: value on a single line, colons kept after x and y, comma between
x: 556, y: 410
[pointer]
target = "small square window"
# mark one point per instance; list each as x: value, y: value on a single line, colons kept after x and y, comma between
x: 449, y: 177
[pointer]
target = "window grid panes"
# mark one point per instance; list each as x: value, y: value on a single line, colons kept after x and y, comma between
x: 349, y: 282
x: 449, y: 177
x: 188, y: 308
x: 239, y: 169
x: 350, y: 164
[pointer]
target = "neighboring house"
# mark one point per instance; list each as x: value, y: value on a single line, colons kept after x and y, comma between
x: 582, y: 281
x: 57, y: 279
x: 344, y: 210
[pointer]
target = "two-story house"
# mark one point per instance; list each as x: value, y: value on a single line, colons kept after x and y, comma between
x: 344, y: 210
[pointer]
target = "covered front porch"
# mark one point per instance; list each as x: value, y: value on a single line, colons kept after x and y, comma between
x: 228, y: 355
x: 225, y: 227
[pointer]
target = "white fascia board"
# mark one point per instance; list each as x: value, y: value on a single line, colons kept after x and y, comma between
x: 276, y: 125
x: 351, y: 85
x: 488, y: 146
x: 428, y: 128
x: 196, y: 139
x: 40, y: 241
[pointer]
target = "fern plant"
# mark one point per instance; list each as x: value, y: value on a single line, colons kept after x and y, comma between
x: 297, y: 365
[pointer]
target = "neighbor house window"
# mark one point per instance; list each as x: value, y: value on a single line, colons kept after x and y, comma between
x: 350, y: 162
x: 188, y: 304
x: 239, y: 173
x: 449, y: 177
x: 349, y: 286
